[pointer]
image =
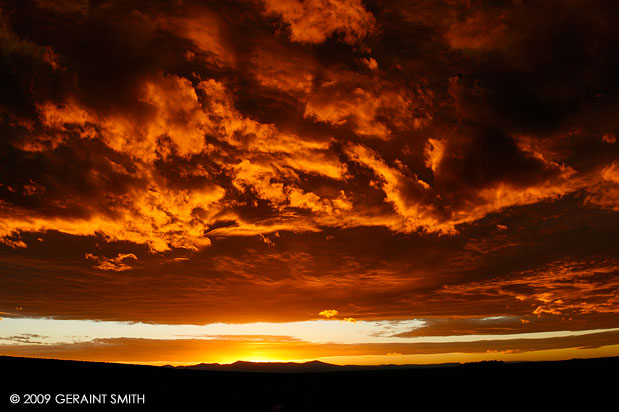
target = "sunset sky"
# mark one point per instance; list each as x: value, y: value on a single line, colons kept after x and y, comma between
x: 359, y: 182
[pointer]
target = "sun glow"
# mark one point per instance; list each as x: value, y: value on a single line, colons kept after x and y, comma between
x: 276, y: 180
x: 336, y: 341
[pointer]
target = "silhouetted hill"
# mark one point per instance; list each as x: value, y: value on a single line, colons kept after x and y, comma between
x: 578, y: 384
x: 270, y: 367
x: 294, y: 367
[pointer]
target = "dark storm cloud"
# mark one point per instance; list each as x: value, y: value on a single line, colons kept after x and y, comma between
x: 269, y: 160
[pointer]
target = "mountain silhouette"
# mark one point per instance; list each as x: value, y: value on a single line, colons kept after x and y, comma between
x: 296, y: 367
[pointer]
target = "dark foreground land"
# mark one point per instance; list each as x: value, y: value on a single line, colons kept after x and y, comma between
x: 587, y: 385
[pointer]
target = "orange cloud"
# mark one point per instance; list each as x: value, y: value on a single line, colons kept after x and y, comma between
x: 604, y: 191
x: 563, y: 288
x: 611, y: 173
x: 412, y: 198
x: 205, y: 31
x: 315, y: 20
x: 175, y: 114
x: 434, y: 151
x: 329, y: 313
x: 114, y: 264
x: 284, y: 69
x: 369, y: 108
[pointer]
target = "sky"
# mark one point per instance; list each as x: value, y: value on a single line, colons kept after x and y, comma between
x: 359, y: 182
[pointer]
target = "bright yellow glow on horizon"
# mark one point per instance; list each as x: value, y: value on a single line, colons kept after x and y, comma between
x: 362, y: 342
x: 407, y: 359
x: 415, y: 359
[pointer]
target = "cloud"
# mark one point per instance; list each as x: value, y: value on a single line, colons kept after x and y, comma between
x: 174, y: 123
x: 605, y: 193
x: 266, y: 240
x: 562, y: 288
x: 25, y: 338
x: 14, y: 243
x: 284, y: 68
x: 369, y: 112
x: 205, y: 31
x: 114, y: 264
x: 315, y: 20
x: 329, y: 313
x: 228, y: 351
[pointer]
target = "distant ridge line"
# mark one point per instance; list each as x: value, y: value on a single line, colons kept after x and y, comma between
x: 302, y: 367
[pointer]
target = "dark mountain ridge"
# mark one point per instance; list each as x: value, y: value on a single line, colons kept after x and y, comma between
x: 300, y: 367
